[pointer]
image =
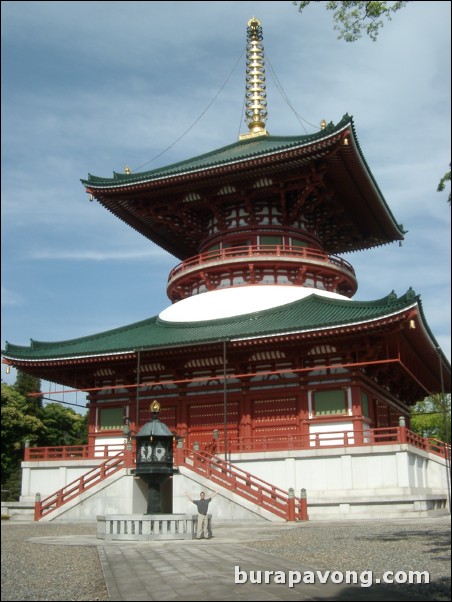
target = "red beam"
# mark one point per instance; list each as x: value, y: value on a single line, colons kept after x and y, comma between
x: 221, y: 377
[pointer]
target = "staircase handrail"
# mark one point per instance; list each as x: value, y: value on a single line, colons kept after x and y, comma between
x: 245, y: 484
x: 91, y: 478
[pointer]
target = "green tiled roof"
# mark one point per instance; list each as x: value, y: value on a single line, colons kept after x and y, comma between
x: 367, y: 217
x: 238, y: 151
x: 311, y: 313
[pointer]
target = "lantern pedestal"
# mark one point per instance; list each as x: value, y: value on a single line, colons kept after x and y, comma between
x: 154, y: 500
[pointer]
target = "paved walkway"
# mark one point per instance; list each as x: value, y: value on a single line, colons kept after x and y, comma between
x: 205, y: 570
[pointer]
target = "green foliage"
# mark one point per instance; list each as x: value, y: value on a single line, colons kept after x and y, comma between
x: 62, y: 426
x: 442, y: 183
x: 26, y: 384
x: 22, y: 420
x: 431, y: 417
x: 17, y: 426
x: 11, y: 487
x: 351, y: 19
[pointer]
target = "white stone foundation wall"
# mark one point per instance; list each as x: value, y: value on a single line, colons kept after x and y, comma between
x: 356, y: 471
x: 359, y: 482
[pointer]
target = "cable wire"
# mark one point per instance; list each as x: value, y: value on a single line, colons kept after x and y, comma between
x: 196, y: 121
x: 286, y: 98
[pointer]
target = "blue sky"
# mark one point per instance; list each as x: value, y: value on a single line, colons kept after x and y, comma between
x: 89, y: 87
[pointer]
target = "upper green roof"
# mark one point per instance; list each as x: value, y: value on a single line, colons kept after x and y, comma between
x: 364, y: 220
x: 238, y: 151
x: 310, y: 313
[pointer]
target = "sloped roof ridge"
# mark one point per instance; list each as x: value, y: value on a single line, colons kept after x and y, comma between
x: 91, y: 337
x: 240, y: 144
x: 190, y: 332
x: 374, y: 181
x: 390, y: 299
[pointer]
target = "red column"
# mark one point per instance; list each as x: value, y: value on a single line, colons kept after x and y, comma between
x: 402, y: 430
x: 303, y: 505
x: 291, y: 506
x: 245, y: 426
x: 182, y: 421
x: 38, y: 507
x: 357, y: 414
x: 92, y: 408
x: 303, y: 415
x: 128, y: 456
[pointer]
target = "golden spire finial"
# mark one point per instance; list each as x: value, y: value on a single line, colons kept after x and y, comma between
x: 256, y: 95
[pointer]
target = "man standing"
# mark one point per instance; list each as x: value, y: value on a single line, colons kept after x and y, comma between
x: 203, y: 505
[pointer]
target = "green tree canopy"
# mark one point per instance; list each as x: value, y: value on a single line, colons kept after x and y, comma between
x: 351, y: 19
x: 26, y: 384
x: 17, y: 426
x: 431, y: 417
x: 62, y: 426
x: 24, y: 419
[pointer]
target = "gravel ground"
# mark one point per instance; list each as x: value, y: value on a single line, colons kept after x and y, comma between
x: 404, y: 545
x: 34, y: 571
x: 49, y: 572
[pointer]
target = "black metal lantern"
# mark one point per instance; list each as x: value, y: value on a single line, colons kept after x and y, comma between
x: 154, y: 460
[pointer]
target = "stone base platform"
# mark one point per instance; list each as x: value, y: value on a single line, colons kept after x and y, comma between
x: 147, y: 527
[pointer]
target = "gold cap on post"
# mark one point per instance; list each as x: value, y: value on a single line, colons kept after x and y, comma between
x: 155, y: 406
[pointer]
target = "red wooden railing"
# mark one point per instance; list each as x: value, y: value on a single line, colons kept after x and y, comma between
x: 123, y: 459
x: 248, y: 251
x: 221, y: 472
x: 256, y: 490
x: 72, y: 452
x: 252, y: 488
x: 349, y: 438
x: 435, y: 446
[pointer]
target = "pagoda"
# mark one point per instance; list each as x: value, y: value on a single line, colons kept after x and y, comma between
x: 262, y: 350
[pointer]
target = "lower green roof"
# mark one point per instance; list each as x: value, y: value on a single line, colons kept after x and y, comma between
x: 310, y: 313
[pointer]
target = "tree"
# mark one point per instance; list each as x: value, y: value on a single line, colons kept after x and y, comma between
x: 431, y: 417
x: 17, y: 426
x: 62, y: 426
x: 442, y: 183
x: 26, y: 384
x: 24, y: 419
x: 351, y: 19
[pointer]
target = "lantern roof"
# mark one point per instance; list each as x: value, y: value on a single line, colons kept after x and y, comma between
x: 154, y: 428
